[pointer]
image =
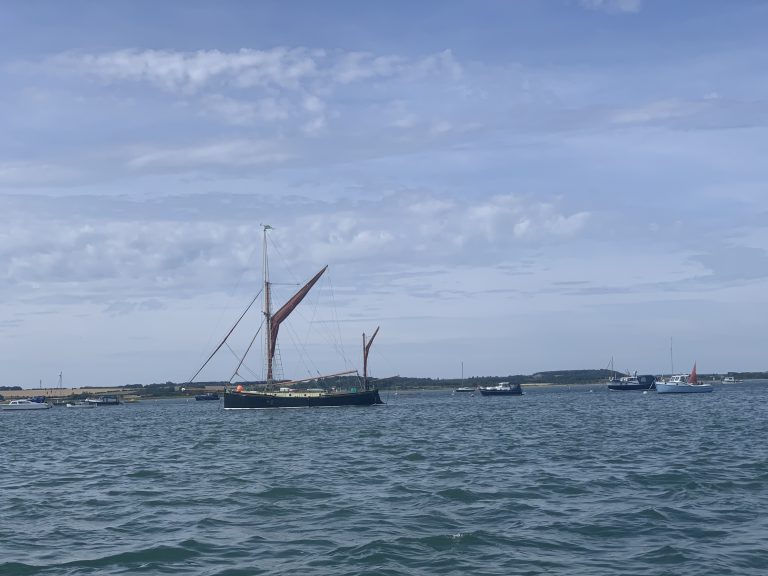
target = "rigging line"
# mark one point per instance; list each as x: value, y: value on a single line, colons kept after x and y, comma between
x: 309, y: 330
x: 239, y: 281
x: 335, y: 312
x: 237, y: 357
x: 246, y: 352
x: 335, y: 317
x: 327, y: 333
x: 255, y: 376
x: 281, y: 258
x: 225, y: 337
x: 301, y: 350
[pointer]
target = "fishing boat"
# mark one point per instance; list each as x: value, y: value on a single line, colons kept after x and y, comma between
x: 274, y: 393
x: 731, y: 380
x: 24, y: 404
x: 683, y: 384
x: 502, y: 389
x: 626, y: 383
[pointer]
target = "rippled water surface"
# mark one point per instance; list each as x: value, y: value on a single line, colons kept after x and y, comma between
x: 558, y: 481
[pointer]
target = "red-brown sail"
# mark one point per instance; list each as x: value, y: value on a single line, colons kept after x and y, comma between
x: 283, y: 313
x: 693, y: 378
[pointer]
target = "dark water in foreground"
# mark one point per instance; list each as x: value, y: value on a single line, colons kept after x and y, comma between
x: 555, y: 482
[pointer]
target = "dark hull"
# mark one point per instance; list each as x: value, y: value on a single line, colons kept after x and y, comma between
x: 651, y: 386
x: 513, y: 392
x: 207, y: 397
x: 251, y: 401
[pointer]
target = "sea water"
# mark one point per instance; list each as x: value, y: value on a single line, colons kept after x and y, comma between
x: 557, y: 481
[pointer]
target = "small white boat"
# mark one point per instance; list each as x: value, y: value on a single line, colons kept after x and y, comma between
x: 81, y: 404
x: 24, y: 404
x: 731, y: 380
x: 683, y: 384
x: 103, y: 401
x: 502, y: 389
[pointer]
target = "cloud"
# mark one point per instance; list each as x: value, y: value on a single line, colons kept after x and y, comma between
x: 277, y: 68
x: 504, y: 213
x: 656, y: 111
x: 29, y: 173
x: 613, y: 6
x: 244, y: 113
x: 727, y: 262
x: 229, y: 153
x: 175, y: 250
x: 191, y: 71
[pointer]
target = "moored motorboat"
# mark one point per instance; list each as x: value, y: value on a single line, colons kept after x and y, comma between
x: 502, y: 389
x: 731, y: 380
x: 207, y: 396
x: 24, y: 404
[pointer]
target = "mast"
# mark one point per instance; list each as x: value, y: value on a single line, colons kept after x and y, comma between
x: 273, y: 321
x: 671, y: 358
x: 267, y: 311
x: 366, y: 349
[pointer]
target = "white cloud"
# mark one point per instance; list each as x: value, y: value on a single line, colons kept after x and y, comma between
x: 190, y: 71
x: 244, y: 113
x: 501, y: 214
x: 230, y: 153
x: 613, y: 6
x: 181, y: 251
x: 656, y: 111
x: 281, y: 68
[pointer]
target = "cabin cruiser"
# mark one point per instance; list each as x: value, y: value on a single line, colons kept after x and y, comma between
x: 24, y: 404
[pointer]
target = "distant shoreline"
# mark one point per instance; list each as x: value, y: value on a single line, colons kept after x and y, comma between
x: 136, y: 393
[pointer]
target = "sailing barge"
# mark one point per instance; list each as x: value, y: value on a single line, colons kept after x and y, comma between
x: 281, y: 394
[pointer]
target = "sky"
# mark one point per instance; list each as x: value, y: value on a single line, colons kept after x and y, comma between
x: 503, y: 187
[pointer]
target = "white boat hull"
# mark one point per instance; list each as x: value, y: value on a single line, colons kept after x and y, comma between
x: 682, y: 388
x: 25, y: 406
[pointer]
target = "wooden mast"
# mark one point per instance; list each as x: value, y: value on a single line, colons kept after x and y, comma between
x: 267, y: 305
x: 273, y: 321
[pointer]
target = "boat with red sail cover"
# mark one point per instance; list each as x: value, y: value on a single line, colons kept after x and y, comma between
x: 683, y: 384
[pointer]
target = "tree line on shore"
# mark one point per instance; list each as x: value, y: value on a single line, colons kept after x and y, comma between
x: 562, y: 377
